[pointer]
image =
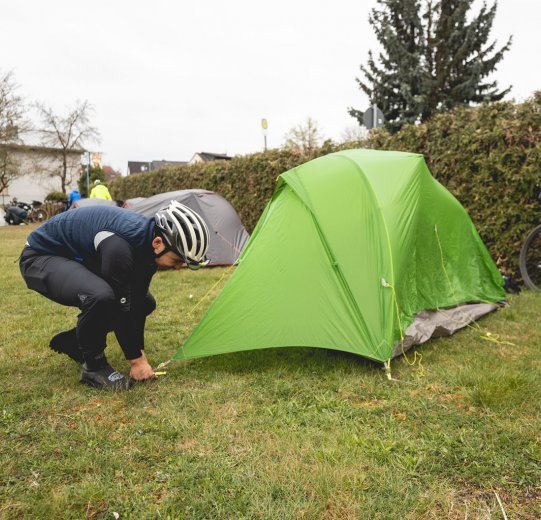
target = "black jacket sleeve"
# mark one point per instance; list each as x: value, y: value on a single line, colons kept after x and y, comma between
x: 130, y: 280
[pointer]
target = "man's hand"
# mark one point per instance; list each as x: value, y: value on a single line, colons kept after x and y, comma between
x: 140, y: 369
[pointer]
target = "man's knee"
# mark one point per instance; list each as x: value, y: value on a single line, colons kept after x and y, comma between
x: 150, y: 304
x: 102, y: 298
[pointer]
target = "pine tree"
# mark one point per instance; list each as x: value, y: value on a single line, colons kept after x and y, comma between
x: 396, y: 85
x: 434, y: 58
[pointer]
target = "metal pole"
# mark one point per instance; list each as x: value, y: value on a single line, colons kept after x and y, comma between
x: 374, y: 115
x: 88, y: 175
x: 264, y: 125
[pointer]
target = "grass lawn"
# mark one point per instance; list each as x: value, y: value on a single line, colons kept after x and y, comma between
x: 275, y: 434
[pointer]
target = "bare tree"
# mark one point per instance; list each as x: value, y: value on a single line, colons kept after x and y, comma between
x: 304, y: 137
x: 354, y: 133
x: 13, y: 124
x: 69, y: 133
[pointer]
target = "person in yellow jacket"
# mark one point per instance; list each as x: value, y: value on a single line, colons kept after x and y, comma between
x: 100, y: 191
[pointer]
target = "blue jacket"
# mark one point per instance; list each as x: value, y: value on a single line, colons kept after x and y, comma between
x: 74, y: 195
x: 71, y: 234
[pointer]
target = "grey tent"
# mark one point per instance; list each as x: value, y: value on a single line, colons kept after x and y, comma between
x: 227, y: 234
x: 129, y: 203
x: 83, y: 203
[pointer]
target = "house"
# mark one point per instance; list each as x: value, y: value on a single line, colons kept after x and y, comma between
x: 208, y: 157
x: 38, y: 168
x: 143, y: 166
x: 138, y: 167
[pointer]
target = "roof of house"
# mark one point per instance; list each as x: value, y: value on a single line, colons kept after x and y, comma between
x: 138, y: 167
x: 31, y: 141
x: 208, y: 156
x: 39, y: 148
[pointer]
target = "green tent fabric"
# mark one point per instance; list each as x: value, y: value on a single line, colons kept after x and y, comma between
x: 349, y: 249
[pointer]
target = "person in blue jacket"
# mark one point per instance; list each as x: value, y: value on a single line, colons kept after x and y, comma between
x: 74, y: 195
x: 101, y: 259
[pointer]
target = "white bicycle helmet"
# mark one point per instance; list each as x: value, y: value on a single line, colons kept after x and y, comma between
x: 184, y: 232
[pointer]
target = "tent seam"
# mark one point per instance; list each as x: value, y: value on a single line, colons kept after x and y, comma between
x: 388, y: 240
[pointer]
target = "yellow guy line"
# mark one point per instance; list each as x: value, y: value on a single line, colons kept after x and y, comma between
x: 205, y: 296
x: 190, y: 315
x: 416, y: 354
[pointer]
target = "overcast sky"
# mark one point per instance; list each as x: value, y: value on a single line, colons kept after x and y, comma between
x: 171, y: 78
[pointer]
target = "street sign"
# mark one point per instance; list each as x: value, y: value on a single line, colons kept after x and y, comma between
x: 95, y: 160
x: 265, y: 126
x: 85, y: 158
x: 373, y: 118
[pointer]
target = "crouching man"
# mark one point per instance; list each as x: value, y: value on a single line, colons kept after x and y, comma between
x: 101, y: 259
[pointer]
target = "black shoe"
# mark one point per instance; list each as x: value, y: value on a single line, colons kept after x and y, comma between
x: 66, y: 343
x: 107, y: 378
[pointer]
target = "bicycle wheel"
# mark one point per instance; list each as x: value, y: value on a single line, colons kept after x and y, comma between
x: 530, y: 260
x: 39, y: 215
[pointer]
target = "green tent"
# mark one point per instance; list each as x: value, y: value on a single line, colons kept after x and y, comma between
x: 351, y: 247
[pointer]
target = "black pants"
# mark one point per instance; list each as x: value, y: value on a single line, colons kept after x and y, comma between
x: 68, y: 282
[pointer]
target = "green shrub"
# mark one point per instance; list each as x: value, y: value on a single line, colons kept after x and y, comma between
x: 488, y: 157
x: 56, y: 196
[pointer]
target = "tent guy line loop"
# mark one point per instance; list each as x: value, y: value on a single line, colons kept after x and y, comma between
x: 388, y: 374
x: 495, y: 338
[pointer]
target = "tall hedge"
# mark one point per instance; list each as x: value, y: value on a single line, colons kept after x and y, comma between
x: 488, y: 157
